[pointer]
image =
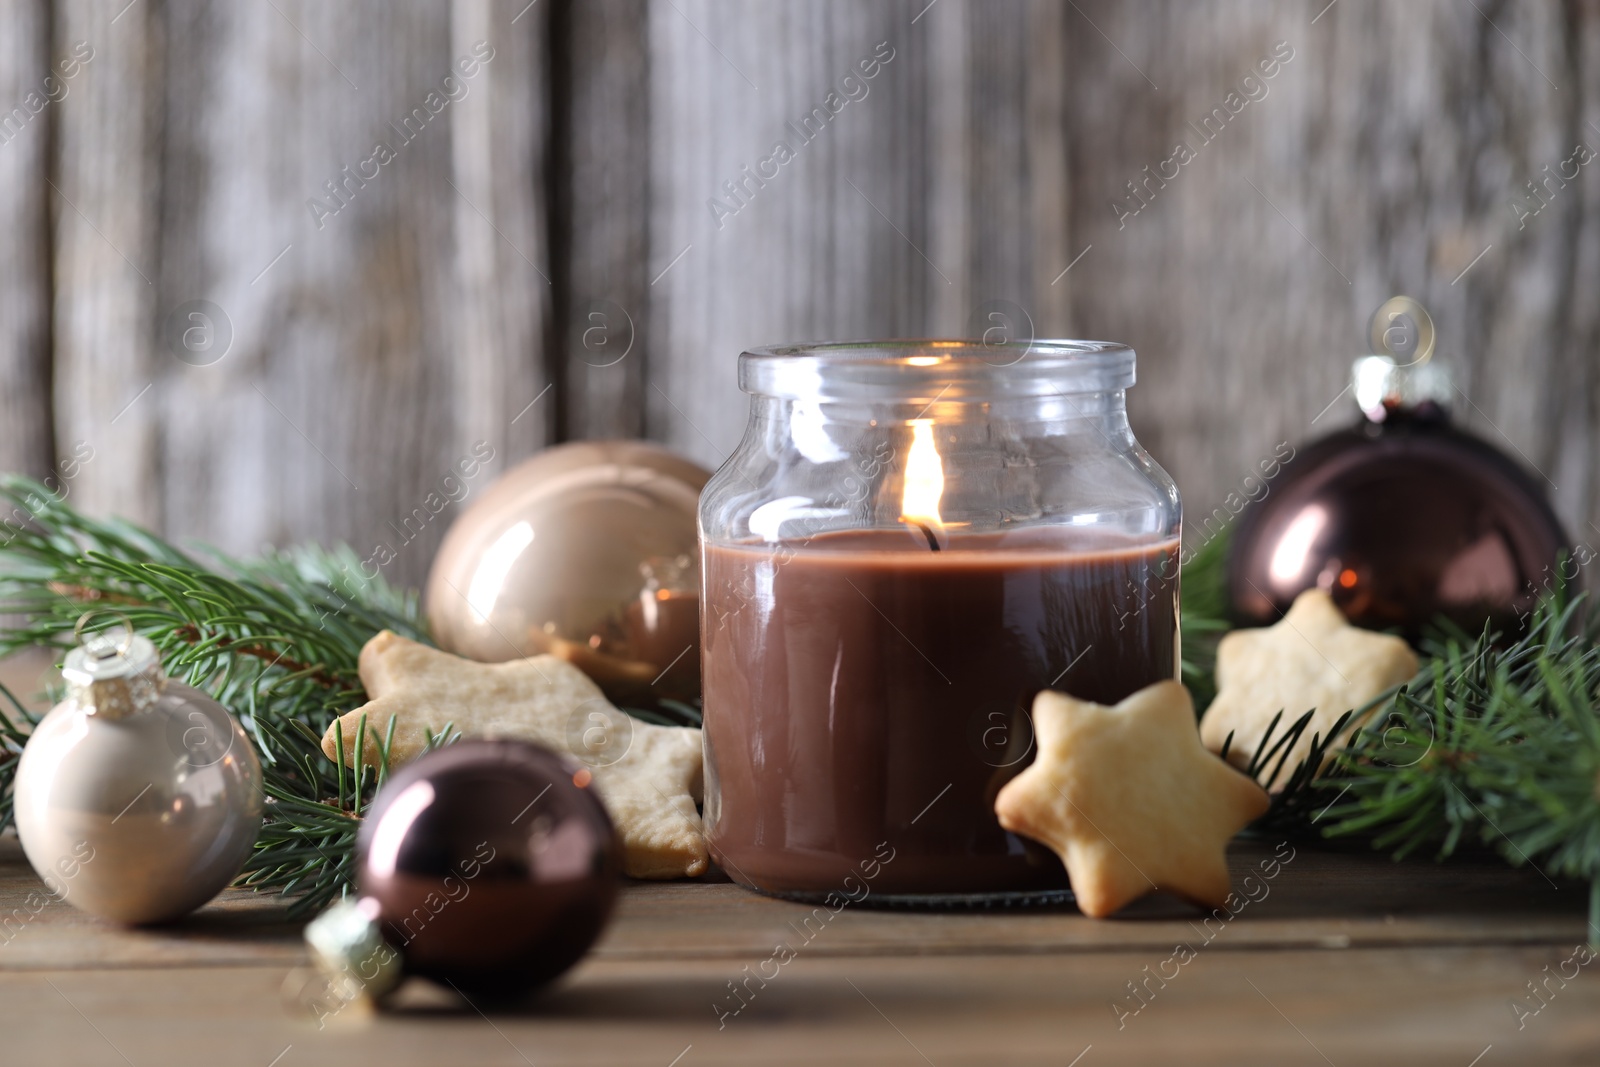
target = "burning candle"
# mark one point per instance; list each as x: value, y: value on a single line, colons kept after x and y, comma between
x: 919, y: 503
x: 912, y: 540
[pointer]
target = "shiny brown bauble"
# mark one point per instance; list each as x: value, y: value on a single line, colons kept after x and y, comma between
x: 493, y: 865
x: 587, y: 551
x: 1403, y: 522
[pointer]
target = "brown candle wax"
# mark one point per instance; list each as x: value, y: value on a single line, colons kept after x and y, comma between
x: 863, y: 689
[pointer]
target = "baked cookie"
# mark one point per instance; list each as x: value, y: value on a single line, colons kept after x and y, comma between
x: 1311, y: 658
x: 649, y: 776
x: 1129, y: 799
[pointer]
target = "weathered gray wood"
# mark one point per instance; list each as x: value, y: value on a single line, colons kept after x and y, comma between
x: 1438, y: 1008
x: 330, y: 342
x: 105, y: 199
x: 985, y: 158
x: 25, y: 123
x: 1344, y: 955
x: 912, y: 208
x: 600, y: 214
x: 503, y: 275
x: 1383, y: 159
x: 1576, y: 437
x: 1353, y: 900
x: 383, y: 327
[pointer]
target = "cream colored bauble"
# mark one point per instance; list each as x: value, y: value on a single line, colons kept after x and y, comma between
x: 137, y: 798
x: 587, y: 551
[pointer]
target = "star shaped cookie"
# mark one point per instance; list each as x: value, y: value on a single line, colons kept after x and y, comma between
x: 1129, y: 798
x: 1310, y: 658
x: 649, y: 776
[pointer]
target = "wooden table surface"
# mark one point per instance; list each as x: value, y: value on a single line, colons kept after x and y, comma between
x: 1342, y: 958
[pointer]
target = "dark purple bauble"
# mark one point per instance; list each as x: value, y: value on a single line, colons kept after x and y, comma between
x: 1401, y: 521
x: 493, y: 863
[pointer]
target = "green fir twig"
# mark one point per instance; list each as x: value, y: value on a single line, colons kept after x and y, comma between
x: 276, y: 640
x: 1495, y: 744
x: 1204, y: 616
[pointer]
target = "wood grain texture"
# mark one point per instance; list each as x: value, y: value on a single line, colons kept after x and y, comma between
x: 503, y: 280
x: 599, y: 184
x: 902, y: 214
x: 372, y: 346
x: 1318, y: 900
x: 334, y: 339
x: 1440, y: 1007
x: 1384, y: 158
x: 26, y: 121
x: 386, y: 314
x: 1401, y: 147
x: 1346, y: 956
x: 105, y: 199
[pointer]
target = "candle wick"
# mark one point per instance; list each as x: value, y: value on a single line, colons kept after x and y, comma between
x: 927, y: 531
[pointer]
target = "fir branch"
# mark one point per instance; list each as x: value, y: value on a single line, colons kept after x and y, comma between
x: 275, y: 640
x: 12, y: 738
x: 318, y: 674
x: 1493, y: 744
x: 670, y: 713
x: 1203, y: 618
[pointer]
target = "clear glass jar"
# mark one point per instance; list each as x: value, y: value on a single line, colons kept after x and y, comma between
x: 911, y: 541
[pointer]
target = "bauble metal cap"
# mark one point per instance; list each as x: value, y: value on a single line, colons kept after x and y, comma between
x: 1399, y: 374
x: 113, y: 676
x: 349, y: 950
x: 1381, y: 385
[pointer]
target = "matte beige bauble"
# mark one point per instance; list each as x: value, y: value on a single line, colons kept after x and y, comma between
x: 587, y: 551
x: 137, y: 798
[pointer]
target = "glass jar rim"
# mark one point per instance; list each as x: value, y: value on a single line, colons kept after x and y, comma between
x: 927, y: 369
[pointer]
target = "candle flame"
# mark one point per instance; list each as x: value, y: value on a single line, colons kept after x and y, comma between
x: 919, y: 501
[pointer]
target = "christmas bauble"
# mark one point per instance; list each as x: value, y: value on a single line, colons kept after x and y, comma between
x: 587, y: 551
x: 1402, y: 518
x: 491, y: 864
x: 137, y: 798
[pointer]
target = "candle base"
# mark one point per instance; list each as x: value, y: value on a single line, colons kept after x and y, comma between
x: 999, y: 900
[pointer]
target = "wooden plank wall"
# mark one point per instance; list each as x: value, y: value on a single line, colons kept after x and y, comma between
x: 541, y: 258
x: 25, y: 344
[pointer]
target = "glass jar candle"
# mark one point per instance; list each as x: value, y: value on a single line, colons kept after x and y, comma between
x: 911, y: 541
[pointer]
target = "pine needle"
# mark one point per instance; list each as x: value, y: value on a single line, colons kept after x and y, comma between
x: 1493, y: 744
x: 1204, y: 616
x: 275, y: 640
